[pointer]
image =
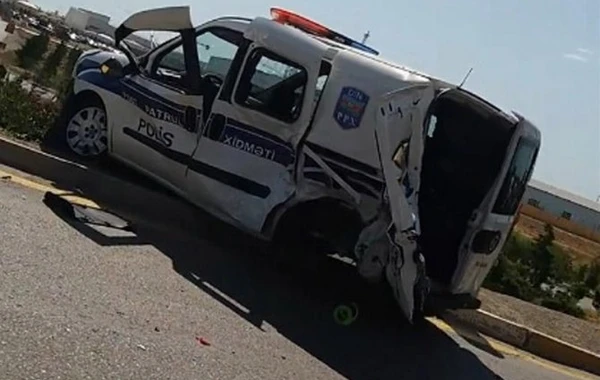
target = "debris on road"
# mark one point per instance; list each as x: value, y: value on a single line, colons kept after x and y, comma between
x: 84, y: 214
x: 142, y: 347
x: 202, y: 341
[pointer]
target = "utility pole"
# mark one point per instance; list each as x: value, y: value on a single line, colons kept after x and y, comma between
x: 366, y: 37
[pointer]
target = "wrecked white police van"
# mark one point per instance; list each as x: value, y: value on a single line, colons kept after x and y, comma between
x: 295, y: 133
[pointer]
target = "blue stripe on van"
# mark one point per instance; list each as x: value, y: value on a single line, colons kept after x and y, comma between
x: 230, y: 179
x: 257, y: 142
x: 149, y: 102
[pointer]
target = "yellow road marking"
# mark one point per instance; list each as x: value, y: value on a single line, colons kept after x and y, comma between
x: 67, y: 195
x: 511, y: 351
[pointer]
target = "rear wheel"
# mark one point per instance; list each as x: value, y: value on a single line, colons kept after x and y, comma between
x: 86, y: 130
x: 319, y: 227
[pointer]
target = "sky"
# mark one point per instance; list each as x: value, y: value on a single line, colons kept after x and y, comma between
x: 540, y: 58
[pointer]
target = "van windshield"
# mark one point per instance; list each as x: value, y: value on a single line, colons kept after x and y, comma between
x: 516, y: 179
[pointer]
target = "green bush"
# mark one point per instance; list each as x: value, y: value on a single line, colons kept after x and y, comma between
x: 52, y: 63
x: 33, y: 51
x: 564, y: 303
x: 23, y: 114
x: 511, y: 278
x: 525, y: 265
x: 592, y: 280
x: 561, y: 268
x: 579, y: 291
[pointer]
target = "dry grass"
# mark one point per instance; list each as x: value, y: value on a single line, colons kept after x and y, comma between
x: 581, y: 250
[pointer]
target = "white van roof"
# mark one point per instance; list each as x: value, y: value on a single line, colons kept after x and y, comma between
x: 375, y: 59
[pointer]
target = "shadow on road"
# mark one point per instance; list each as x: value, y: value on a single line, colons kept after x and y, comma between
x: 298, y: 298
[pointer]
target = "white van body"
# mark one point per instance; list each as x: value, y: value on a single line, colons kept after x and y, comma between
x: 349, y: 156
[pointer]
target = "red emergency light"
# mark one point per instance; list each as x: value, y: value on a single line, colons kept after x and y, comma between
x: 307, y: 25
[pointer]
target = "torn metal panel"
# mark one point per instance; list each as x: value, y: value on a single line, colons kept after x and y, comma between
x: 399, y: 131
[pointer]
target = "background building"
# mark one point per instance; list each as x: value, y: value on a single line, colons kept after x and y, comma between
x: 82, y: 20
x: 565, y: 208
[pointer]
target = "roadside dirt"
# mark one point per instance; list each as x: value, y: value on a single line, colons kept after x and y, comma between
x: 576, y: 331
x: 581, y: 250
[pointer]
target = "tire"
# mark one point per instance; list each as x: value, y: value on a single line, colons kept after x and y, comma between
x: 85, y: 130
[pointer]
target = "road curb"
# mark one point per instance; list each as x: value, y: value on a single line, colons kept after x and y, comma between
x: 528, y: 339
x: 98, y: 186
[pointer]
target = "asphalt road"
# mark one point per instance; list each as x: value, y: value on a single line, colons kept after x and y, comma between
x: 81, y: 302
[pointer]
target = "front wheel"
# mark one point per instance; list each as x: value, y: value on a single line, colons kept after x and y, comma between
x: 86, y: 131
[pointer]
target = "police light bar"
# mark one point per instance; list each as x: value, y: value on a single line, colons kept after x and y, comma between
x: 307, y: 25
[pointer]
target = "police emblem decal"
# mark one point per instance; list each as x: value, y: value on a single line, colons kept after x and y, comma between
x: 350, y: 107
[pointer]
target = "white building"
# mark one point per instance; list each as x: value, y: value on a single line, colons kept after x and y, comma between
x: 83, y: 19
x: 26, y: 6
x: 562, y: 204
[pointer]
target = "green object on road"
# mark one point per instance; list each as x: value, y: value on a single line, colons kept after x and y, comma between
x: 345, y: 315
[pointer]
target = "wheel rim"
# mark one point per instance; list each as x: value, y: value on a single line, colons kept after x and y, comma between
x: 86, y: 132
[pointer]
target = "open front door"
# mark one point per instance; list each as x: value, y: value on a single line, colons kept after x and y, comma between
x: 399, y: 133
x: 157, y: 124
x: 171, y: 19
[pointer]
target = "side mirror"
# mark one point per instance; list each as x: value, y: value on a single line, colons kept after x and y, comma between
x: 112, y: 68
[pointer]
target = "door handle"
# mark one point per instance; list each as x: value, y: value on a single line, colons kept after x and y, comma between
x: 190, y: 121
x: 217, y: 124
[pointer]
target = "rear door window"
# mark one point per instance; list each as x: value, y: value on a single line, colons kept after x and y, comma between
x: 518, y: 174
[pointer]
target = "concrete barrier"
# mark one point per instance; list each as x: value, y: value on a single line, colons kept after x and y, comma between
x: 491, y: 325
x: 562, y: 352
x: 527, y: 339
x: 106, y: 190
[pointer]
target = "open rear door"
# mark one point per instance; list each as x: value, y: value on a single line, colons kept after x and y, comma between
x: 492, y: 222
x: 400, y: 138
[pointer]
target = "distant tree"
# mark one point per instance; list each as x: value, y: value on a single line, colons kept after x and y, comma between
x: 579, y: 291
x: 596, y: 300
x: 581, y: 273
x: 52, y: 63
x: 542, y: 257
x: 592, y: 279
x: 72, y: 57
x: 63, y: 80
x: 33, y: 51
x: 562, y: 267
x: 512, y: 278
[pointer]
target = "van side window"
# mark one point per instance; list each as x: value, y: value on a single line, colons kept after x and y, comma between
x: 170, y: 69
x: 216, y: 48
x: 173, y: 60
x: 324, y: 72
x: 272, y: 85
